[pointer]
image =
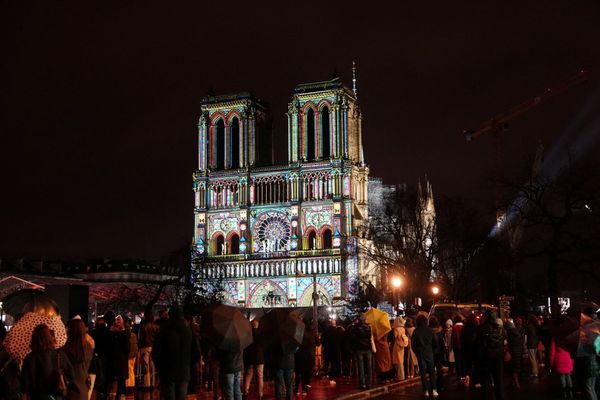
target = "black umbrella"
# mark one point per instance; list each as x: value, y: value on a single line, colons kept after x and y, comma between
x: 226, y: 328
x: 23, y: 301
x: 282, y: 327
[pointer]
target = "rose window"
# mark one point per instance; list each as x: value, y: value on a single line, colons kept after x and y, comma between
x: 272, y: 232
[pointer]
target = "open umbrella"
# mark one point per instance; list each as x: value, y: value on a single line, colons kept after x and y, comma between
x: 23, y: 301
x: 18, y: 340
x: 226, y: 328
x: 282, y: 327
x: 379, y: 322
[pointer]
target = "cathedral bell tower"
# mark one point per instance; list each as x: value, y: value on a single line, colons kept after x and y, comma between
x: 324, y: 123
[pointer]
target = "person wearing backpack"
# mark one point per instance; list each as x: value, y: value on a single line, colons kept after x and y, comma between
x: 490, y: 346
x: 400, y: 343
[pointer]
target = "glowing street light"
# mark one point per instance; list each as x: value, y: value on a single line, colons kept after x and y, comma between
x: 396, y: 282
x: 435, y: 290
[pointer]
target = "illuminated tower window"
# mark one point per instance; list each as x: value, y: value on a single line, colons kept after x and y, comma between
x: 310, y: 134
x: 219, y: 242
x: 220, y: 150
x: 325, y: 134
x: 235, y: 143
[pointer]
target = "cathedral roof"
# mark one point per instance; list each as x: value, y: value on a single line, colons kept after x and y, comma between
x: 222, y: 98
x: 335, y: 83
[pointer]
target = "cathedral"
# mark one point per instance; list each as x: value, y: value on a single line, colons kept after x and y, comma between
x: 273, y: 234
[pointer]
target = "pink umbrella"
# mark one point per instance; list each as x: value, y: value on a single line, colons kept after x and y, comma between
x: 18, y: 340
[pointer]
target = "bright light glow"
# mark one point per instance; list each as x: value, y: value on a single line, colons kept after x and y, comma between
x: 243, y: 226
x: 435, y: 290
x: 396, y: 282
x: 294, y: 223
x: 242, y: 247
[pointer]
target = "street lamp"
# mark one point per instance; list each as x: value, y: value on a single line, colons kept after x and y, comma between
x: 435, y: 290
x: 396, y: 284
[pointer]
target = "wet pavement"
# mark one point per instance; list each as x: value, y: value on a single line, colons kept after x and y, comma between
x: 531, y: 389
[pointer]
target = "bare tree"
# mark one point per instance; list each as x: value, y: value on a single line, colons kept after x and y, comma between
x: 556, y: 219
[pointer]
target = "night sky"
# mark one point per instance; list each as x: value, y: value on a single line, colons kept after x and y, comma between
x: 100, y: 104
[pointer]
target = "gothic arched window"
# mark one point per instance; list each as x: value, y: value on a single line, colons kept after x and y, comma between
x: 310, y: 134
x: 325, y: 133
x: 312, y: 240
x: 327, y: 239
x: 234, y: 244
x: 220, y: 148
x: 219, y: 245
x: 235, y: 142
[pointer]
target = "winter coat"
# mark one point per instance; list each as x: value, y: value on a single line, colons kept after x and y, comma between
x: 383, y: 359
x: 172, y: 351
x: 398, y: 350
x: 560, y: 359
x: 514, y: 340
x: 305, y: 356
x: 455, y: 340
x: 39, y: 373
x: 361, y: 333
x: 230, y: 361
x: 147, y: 334
x: 78, y: 389
x: 531, y: 330
x: 117, y: 363
x: 423, y: 343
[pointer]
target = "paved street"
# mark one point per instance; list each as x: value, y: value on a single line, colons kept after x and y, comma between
x: 530, y: 390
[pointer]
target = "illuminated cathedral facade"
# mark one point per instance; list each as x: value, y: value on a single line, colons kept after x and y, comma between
x: 273, y: 233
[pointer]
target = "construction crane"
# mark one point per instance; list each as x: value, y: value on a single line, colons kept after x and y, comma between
x: 499, y: 122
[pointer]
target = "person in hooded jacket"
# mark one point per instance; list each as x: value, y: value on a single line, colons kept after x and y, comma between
x: 400, y: 343
x: 425, y: 345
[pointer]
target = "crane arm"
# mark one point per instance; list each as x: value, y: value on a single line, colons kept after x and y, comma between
x: 499, y: 121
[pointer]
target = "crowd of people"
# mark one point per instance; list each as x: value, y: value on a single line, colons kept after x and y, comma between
x: 114, y: 356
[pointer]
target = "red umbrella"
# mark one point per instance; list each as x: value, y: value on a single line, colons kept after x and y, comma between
x: 18, y: 340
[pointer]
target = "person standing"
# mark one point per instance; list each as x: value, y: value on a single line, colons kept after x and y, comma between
x: 400, y: 343
x: 424, y: 345
x: 361, y: 333
x: 587, y: 364
x: 468, y: 337
x: 449, y: 353
x: 305, y: 360
x: 332, y: 341
x: 254, y: 361
x: 411, y: 358
x: 171, y: 353
x: 490, y: 340
x: 284, y: 371
x: 79, y: 349
x: 101, y: 336
x: 514, y: 340
x: 456, y: 348
x: 562, y: 363
x: 40, y: 370
x: 147, y: 336
x: 439, y: 355
x: 532, y: 337
x: 117, y: 368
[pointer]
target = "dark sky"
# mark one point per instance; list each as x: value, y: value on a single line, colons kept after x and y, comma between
x: 99, y: 104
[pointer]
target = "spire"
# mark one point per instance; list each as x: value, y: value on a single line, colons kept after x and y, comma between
x: 354, y: 78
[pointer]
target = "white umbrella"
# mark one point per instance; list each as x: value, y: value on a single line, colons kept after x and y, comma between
x: 18, y: 340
